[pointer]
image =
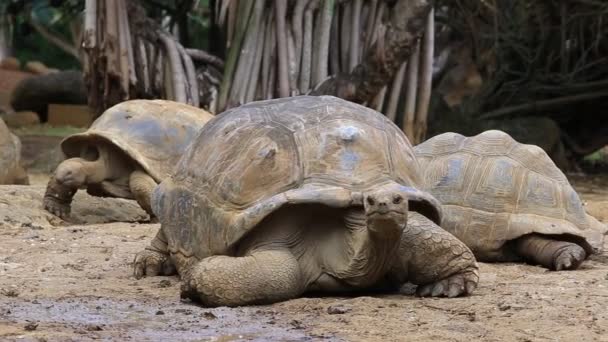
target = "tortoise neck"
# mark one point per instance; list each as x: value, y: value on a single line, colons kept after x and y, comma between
x: 369, y: 250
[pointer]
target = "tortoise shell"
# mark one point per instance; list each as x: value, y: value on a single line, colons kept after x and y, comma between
x: 249, y: 161
x: 494, y: 189
x: 10, y: 155
x: 154, y: 133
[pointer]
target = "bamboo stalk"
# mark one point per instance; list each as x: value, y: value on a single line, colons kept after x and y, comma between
x: 334, y: 52
x: 296, y: 26
x: 291, y: 58
x: 410, y: 97
x: 305, y: 72
x: 205, y: 57
x: 243, y: 68
x: 176, y: 69
x: 354, y: 35
x: 124, y: 49
x: 283, y: 76
x: 257, y: 61
x: 378, y: 25
x: 272, y: 79
x: 190, y: 76
x: 269, y: 51
x: 379, y: 100
x: 110, y: 41
x: 426, y: 78
x: 232, y: 15
x: 345, y: 34
x: 90, y: 24
x: 244, y: 13
x: 141, y: 67
x: 322, y: 50
x: 371, y: 21
x: 391, y: 109
x: 128, y: 42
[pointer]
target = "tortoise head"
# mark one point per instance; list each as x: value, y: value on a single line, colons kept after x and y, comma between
x: 386, y: 211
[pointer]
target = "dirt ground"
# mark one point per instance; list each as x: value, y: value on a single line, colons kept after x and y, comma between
x: 64, y: 281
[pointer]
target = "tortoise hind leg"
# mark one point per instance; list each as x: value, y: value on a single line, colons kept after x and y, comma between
x: 154, y: 260
x: 262, y: 277
x: 549, y: 252
x: 142, y: 185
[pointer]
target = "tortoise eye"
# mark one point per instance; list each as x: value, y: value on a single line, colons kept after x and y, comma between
x: 371, y: 201
x: 397, y: 199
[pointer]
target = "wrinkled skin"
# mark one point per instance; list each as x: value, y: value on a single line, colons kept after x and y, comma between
x: 316, y: 248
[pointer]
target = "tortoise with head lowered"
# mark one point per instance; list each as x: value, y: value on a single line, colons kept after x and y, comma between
x: 11, y: 171
x: 508, y: 201
x: 276, y: 198
x: 125, y: 153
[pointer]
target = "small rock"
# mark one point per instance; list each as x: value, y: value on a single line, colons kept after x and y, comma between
x: 31, y: 326
x: 209, y: 315
x: 297, y: 324
x: 10, y: 292
x: 337, y: 310
x: 94, y: 327
x: 184, y: 311
x: 160, y: 312
x: 164, y: 283
x: 503, y: 307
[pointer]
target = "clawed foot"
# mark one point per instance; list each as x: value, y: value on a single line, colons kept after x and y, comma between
x: 56, y: 207
x: 152, y: 263
x: 570, y: 258
x: 460, y: 284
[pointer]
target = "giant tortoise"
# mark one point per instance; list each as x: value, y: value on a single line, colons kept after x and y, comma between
x: 276, y: 198
x: 508, y: 201
x: 125, y: 153
x: 11, y: 171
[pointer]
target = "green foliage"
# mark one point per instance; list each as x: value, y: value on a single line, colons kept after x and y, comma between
x: 29, y: 45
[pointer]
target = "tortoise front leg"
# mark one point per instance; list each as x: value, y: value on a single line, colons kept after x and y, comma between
x: 262, y: 277
x: 58, y: 198
x: 435, y: 260
x: 549, y: 252
x: 142, y: 185
x: 154, y: 260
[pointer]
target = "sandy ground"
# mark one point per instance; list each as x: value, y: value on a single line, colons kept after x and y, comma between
x: 64, y: 281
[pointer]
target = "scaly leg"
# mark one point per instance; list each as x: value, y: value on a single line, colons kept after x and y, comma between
x: 549, y: 252
x: 58, y: 198
x: 262, y: 277
x: 154, y: 260
x: 435, y: 260
x: 142, y: 185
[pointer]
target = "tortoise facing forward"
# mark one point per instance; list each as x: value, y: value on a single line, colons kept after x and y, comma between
x: 11, y: 171
x: 130, y: 148
x: 508, y: 201
x: 279, y: 197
